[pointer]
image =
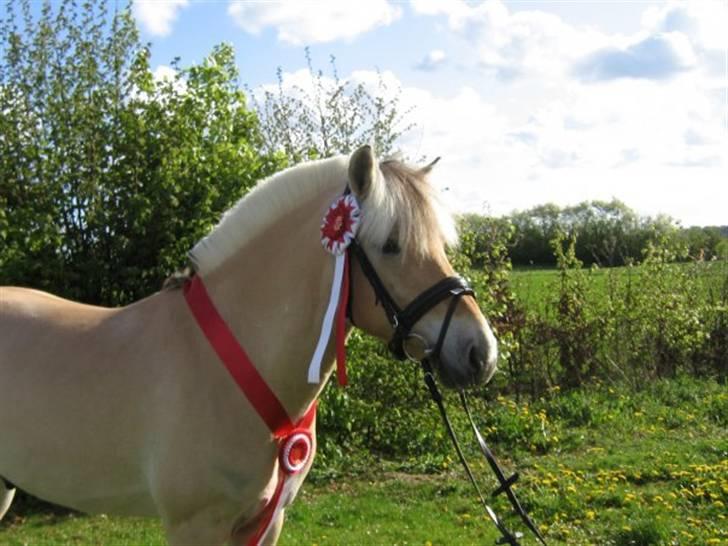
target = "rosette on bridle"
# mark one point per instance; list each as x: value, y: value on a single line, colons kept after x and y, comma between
x: 340, y: 224
x: 338, y: 230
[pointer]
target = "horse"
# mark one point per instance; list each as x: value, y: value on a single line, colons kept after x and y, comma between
x: 129, y: 411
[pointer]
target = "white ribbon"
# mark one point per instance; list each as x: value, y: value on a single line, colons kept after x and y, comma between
x: 314, y: 369
x: 286, y: 497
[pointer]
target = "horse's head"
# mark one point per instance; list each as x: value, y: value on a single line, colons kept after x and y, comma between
x: 401, y: 259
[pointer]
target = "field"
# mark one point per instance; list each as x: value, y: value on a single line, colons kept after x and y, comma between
x: 534, y: 286
x: 641, y: 468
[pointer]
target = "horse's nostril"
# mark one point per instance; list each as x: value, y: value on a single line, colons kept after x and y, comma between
x: 474, y: 359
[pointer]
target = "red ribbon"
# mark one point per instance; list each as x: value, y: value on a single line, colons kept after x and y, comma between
x: 341, y: 326
x: 236, y: 360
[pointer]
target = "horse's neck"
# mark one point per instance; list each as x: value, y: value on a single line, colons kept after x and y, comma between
x: 273, y: 294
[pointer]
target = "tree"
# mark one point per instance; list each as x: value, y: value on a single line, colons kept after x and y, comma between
x: 108, y: 176
x: 327, y: 115
x: 606, y: 233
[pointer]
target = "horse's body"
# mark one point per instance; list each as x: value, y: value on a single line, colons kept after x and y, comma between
x: 128, y: 411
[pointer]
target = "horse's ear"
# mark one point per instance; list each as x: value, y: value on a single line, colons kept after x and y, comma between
x: 362, y: 170
x: 427, y: 168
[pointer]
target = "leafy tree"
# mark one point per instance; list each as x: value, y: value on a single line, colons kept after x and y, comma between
x: 108, y: 176
x: 329, y: 116
x: 704, y: 243
x: 607, y: 233
x: 535, y: 228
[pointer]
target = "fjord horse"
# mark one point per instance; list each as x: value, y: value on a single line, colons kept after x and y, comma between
x: 129, y: 411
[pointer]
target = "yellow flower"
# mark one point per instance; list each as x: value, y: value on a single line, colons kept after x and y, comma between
x: 591, y: 514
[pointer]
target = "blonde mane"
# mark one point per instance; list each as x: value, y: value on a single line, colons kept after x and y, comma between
x: 401, y: 204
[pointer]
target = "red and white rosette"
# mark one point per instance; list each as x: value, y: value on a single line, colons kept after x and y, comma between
x: 340, y: 224
x: 338, y: 230
x: 295, y: 452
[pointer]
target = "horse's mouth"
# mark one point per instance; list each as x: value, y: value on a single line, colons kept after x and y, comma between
x: 459, y: 377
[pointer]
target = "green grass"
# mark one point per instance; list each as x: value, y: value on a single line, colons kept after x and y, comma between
x: 614, y: 468
x: 535, y: 286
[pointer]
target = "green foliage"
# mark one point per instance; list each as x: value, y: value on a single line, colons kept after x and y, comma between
x: 705, y: 243
x: 629, y: 324
x: 608, y: 234
x: 574, y: 329
x: 108, y: 176
x: 645, y: 532
x: 329, y: 116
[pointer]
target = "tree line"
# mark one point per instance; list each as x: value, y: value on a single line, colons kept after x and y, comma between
x: 606, y: 233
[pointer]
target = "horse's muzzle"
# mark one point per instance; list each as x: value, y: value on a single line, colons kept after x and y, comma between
x: 469, y: 361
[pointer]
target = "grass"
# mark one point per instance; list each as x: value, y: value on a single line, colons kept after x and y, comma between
x: 613, y: 468
x: 534, y: 286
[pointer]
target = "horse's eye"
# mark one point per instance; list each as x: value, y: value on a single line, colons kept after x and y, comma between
x: 390, y: 247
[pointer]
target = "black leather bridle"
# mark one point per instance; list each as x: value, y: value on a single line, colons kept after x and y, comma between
x: 402, y: 321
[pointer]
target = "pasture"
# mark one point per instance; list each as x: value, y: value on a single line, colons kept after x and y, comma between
x: 647, y: 468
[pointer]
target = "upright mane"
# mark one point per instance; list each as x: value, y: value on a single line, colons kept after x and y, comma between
x: 401, y: 204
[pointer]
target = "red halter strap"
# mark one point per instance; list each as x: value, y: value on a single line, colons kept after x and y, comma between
x: 236, y: 360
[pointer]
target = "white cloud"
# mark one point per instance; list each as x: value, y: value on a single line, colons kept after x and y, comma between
x: 164, y: 73
x: 157, y: 16
x: 300, y: 23
x: 705, y: 22
x: 432, y: 61
x: 510, y: 44
x: 659, y: 56
x: 648, y: 127
x: 660, y: 148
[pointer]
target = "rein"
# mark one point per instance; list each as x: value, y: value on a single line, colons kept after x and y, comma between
x: 507, y: 537
x: 402, y: 321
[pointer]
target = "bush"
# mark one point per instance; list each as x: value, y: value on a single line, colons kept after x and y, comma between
x: 108, y: 177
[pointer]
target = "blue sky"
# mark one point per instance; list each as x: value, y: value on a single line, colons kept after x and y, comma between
x: 527, y: 102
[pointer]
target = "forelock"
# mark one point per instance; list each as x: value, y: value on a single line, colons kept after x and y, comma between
x: 401, y: 203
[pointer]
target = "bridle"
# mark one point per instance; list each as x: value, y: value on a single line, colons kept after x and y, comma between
x: 402, y: 322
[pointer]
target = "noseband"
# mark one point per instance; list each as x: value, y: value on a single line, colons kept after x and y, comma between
x: 403, y: 320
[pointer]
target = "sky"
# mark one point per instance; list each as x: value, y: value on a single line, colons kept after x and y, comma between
x: 527, y: 102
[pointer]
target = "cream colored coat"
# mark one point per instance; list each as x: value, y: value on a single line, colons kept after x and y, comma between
x: 128, y: 411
